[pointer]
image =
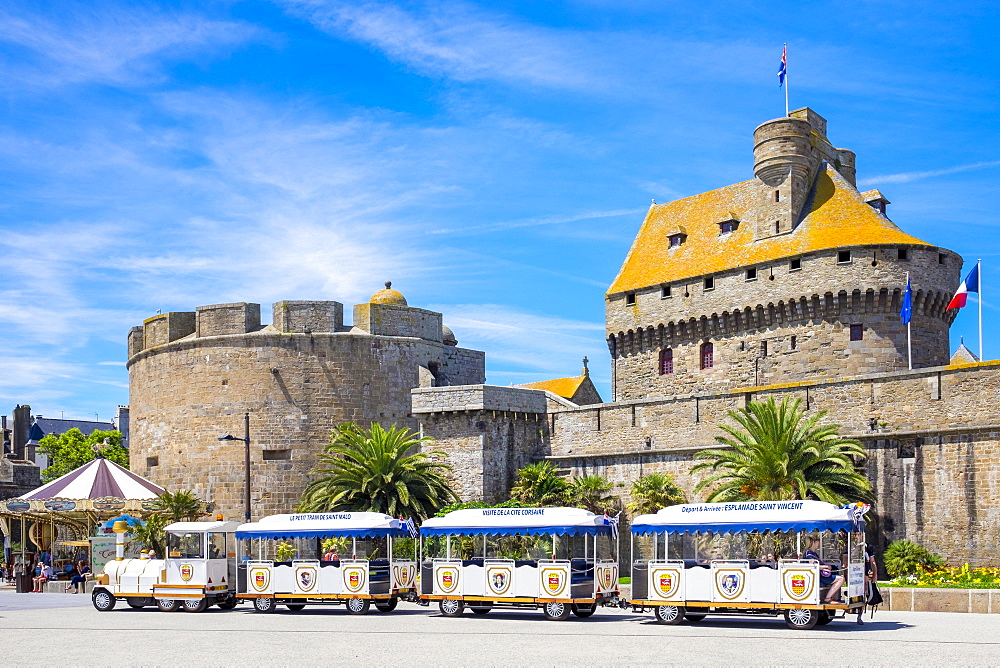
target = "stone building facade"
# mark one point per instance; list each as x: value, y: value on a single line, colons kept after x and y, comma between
x: 789, y: 284
x: 192, y: 376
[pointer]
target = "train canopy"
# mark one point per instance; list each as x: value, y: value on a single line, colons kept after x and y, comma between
x: 759, y: 516
x: 325, y: 525
x: 518, y: 521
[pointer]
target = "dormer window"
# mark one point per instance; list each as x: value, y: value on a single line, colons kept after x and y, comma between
x: 876, y: 200
x: 676, y: 240
x: 727, y: 226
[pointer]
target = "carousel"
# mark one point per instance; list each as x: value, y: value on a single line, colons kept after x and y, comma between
x: 60, y: 515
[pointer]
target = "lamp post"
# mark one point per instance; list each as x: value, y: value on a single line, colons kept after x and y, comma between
x: 246, y: 473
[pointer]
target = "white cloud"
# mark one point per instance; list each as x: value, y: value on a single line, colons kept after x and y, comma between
x: 550, y: 347
x: 107, y: 44
x: 462, y: 42
x: 907, y: 177
x: 535, y: 222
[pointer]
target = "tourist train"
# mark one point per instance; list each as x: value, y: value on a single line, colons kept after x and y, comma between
x: 688, y: 561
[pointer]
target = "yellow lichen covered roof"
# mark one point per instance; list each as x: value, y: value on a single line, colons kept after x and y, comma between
x: 838, y: 216
x: 563, y: 387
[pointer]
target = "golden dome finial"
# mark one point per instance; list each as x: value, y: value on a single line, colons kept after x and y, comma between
x: 388, y: 296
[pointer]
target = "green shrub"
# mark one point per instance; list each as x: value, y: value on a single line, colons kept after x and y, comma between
x: 904, y: 557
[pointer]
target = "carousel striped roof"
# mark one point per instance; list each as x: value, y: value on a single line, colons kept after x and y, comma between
x: 97, y: 480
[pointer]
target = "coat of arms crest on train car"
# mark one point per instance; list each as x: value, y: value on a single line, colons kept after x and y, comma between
x: 447, y: 578
x: 553, y: 580
x: 799, y: 583
x: 306, y: 577
x: 729, y: 582
x: 259, y: 578
x: 187, y: 571
x: 354, y: 578
x: 499, y: 578
x: 666, y: 581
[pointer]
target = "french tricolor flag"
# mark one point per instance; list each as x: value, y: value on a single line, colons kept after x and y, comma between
x: 970, y: 284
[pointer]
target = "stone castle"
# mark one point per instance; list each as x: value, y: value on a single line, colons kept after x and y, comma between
x: 789, y: 284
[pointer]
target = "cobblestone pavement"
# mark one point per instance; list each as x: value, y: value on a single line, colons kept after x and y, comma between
x: 56, y: 629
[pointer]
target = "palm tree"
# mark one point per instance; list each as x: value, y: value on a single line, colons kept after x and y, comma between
x: 654, y: 491
x: 777, y: 453
x: 370, y: 470
x: 539, y: 484
x: 591, y: 492
x: 150, y: 533
x: 182, y: 506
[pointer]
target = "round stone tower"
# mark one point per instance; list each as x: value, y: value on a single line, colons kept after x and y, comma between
x: 192, y: 376
x: 788, y: 276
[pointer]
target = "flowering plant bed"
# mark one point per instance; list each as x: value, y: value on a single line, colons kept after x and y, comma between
x: 955, y: 577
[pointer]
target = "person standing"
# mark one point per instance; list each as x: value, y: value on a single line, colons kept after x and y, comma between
x: 871, y: 578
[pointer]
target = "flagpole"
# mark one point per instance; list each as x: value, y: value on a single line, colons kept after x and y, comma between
x: 979, y: 272
x: 909, y: 345
x: 786, y: 78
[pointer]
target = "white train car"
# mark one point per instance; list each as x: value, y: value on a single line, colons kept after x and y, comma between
x: 326, y: 558
x: 764, y: 557
x: 199, y: 570
x: 562, y: 560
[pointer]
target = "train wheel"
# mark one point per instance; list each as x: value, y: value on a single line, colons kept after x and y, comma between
x: 358, y: 606
x: 387, y: 606
x: 669, y: 614
x: 481, y: 609
x: 584, y: 611
x: 295, y: 607
x: 801, y: 619
x: 264, y: 605
x: 451, y: 607
x: 825, y: 617
x: 694, y: 616
x: 138, y: 603
x: 195, y: 605
x: 556, y: 611
x: 103, y: 600
x: 167, y: 605
x: 228, y: 604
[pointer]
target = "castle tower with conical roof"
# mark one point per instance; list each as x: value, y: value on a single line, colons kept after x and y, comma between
x: 792, y: 275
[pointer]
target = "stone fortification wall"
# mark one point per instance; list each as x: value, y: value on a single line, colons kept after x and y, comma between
x: 486, y: 432
x: 18, y: 477
x: 788, y: 324
x: 186, y: 390
x: 932, y: 435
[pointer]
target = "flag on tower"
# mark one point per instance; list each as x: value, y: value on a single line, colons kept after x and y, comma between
x: 907, y: 311
x: 970, y: 284
x: 784, y: 63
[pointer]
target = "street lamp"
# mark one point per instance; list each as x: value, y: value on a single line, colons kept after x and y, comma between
x: 246, y: 442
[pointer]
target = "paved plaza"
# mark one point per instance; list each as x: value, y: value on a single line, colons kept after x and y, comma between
x: 60, y: 629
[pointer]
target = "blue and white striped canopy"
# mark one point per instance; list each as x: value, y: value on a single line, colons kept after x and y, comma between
x: 759, y: 516
x: 517, y: 522
x: 324, y: 525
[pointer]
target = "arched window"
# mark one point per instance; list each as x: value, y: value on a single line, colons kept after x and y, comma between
x: 707, y: 355
x: 666, y: 361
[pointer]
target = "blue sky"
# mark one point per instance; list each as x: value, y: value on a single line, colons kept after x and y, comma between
x: 494, y: 160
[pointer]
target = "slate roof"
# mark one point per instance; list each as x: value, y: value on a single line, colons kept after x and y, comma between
x: 836, y: 217
x: 562, y: 387
x: 44, y: 426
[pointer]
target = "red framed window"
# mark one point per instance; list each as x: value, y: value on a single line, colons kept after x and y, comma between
x: 666, y: 361
x: 707, y: 355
